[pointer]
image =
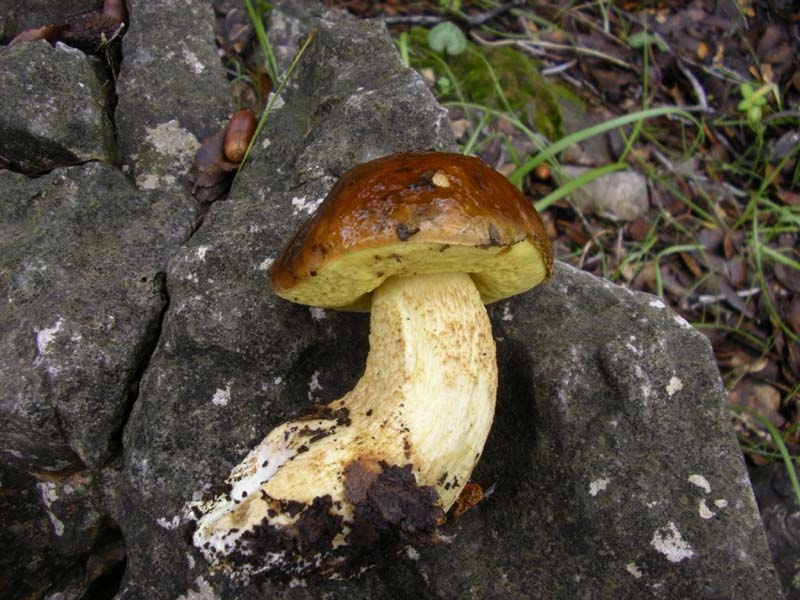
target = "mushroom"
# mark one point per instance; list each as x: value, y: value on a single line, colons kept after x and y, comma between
x: 422, y: 240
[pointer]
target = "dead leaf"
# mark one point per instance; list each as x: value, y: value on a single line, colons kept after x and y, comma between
x: 471, y: 495
x: 210, y: 172
x: 727, y: 245
x: 51, y: 33
x: 638, y: 229
x: 691, y: 264
x: 788, y: 196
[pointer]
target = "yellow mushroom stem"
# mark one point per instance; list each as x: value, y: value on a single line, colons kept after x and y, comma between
x: 379, y: 466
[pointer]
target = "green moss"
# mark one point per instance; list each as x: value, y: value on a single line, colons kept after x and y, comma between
x: 499, y: 77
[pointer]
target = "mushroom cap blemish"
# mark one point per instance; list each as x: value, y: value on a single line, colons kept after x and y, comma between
x: 395, y: 215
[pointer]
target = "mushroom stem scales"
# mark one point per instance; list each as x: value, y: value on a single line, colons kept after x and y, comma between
x: 319, y: 491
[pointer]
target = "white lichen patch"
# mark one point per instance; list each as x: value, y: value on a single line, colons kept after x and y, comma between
x: 301, y: 204
x: 265, y: 264
x: 173, y: 141
x: 633, y: 349
x: 630, y: 345
x: 669, y: 542
x: 48, y: 494
x: 657, y: 303
x: 721, y: 503
x: 314, y: 385
x: 46, y: 336
x: 705, y: 512
x: 168, y: 524
x: 634, y: 570
x: 317, y: 313
x: 152, y: 181
x: 412, y: 553
x: 674, y: 386
x: 222, y: 397
x: 700, y: 482
x: 682, y: 322
x: 598, y: 485
x: 202, y: 591
x: 190, y: 58
x: 507, y: 316
x: 201, y: 252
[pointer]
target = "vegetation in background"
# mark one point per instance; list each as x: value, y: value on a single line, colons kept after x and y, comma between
x: 705, y: 105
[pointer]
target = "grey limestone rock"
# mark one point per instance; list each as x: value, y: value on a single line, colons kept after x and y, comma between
x: 54, y: 107
x: 172, y: 92
x: 614, y: 469
x: 18, y: 15
x: 780, y: 514
x: 81, y: 253
x: 82, y: 259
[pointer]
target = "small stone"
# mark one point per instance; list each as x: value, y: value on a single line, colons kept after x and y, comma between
x: 618, y: 196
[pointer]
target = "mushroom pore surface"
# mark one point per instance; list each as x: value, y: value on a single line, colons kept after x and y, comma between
x: 377, y: 468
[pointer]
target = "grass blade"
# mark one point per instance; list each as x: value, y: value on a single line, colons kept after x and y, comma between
x: 779, y: 443
x: 274, y: 96
x: 553, y: 149
x: 263, y: 40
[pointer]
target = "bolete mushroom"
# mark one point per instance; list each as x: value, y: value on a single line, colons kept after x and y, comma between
x: 423, y: 240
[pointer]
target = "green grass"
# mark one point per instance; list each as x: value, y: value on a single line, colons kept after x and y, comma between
x: 756, y: 219
x: 499, y: 84
x: 274, y: 97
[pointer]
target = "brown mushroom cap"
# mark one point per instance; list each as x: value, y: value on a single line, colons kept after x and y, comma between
x: 412, y: 213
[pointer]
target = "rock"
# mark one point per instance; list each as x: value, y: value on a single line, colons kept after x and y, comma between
x: 620, y: 196
x: 614, y: 468
x: 54, y: 108
x: 81, y: 276
x: 228, y: 346
x: 53, y: 532
x: 30, y: 564
x: 81, y: 258
x: 82, y: 261
x: 172, y: 92
x: 19, y: 15
x: 780, y: 513
x: 288, y: 27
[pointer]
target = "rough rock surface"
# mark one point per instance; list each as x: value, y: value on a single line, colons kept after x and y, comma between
x: 81, y: 273
x: 82, y: 261
x: 614, y: 469
x: 780, y: 514
x: 18, y: 15
x: 172, y: 92
x: 54, y: 107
